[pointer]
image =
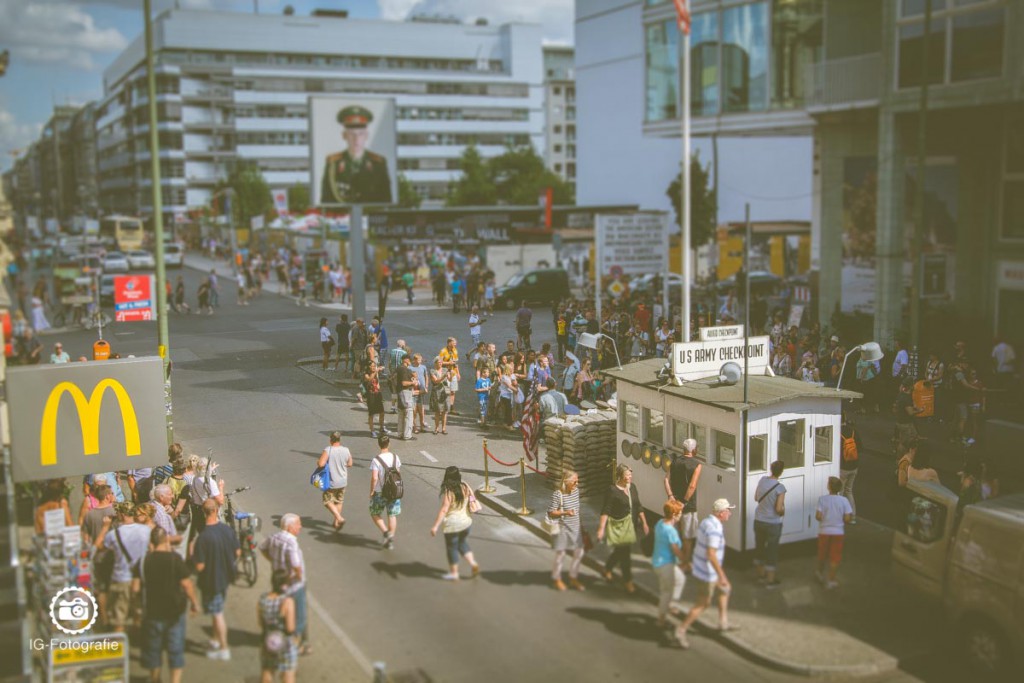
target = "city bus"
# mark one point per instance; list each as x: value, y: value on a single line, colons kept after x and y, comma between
x: 126, y: 232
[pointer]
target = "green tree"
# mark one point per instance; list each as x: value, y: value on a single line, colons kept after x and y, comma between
x: 703, y: 198
x: 251, y: 194
x: 408, y: 197
x: 298, y: 199
x: 475, y: 187
x: 520, y: 177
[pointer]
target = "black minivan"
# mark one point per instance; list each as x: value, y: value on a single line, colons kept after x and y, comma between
x: 542, y: 285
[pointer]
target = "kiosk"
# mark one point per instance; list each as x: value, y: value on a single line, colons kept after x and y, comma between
x: 661, y: 404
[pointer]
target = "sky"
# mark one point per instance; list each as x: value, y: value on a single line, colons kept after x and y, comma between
x: 59, y: 48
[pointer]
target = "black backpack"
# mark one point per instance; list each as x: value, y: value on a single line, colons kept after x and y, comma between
x: 392, y: 489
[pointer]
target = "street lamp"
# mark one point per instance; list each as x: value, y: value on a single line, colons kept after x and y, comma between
x: 590, y: 341
x: 872, y: 352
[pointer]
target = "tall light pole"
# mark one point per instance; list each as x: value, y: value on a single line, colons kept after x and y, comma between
x: 158, y: 217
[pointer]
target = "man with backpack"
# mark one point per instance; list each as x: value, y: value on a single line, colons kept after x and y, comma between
x: 386, y: 490
x: 848, y: 463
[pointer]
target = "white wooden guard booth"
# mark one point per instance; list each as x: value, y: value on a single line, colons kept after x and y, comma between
x: 660, y: 404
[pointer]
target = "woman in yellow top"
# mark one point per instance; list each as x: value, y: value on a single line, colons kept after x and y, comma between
x: 450, y: 361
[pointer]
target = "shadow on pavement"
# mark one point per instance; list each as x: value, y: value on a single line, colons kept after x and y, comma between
x: 632, y: 625
x: 409, y: 570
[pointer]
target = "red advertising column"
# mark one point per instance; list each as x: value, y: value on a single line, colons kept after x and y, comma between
x: 134, y: 298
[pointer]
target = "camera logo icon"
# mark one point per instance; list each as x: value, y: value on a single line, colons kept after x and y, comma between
x: 73, y: 610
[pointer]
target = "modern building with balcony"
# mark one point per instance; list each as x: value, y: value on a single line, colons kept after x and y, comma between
x: 236, y: 86
x: 560, y: 112
x: 848, y: 73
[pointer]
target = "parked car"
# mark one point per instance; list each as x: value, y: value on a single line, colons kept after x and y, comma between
x: 115, y: 262
x: 646, y: 282
x: 174, y: 255
x: 141, y: 258
x: 974, y: 565
x: 541, y: 285
x: 107, y: 289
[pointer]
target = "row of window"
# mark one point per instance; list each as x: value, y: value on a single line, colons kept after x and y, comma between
x: 962, y: 45
x: 429, y: 164
x: 462, y: 114
x: 718, y: 447
x: 503, y: 139
x: 335, y: 61
x: 383, y: 87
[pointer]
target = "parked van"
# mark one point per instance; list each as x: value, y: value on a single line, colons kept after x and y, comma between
x: 542, y: 285
x: 975, y: 568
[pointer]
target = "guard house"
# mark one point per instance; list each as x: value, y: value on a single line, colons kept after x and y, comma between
x: 737, y: 439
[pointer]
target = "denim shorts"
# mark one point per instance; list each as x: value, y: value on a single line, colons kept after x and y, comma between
x: 159, y: 635
x: 213, y: 604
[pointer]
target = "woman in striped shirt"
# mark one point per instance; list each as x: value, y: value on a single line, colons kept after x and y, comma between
x: 565, y: 507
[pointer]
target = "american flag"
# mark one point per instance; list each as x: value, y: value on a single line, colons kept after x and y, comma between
x: 683, y: 15
x: 530, y: 427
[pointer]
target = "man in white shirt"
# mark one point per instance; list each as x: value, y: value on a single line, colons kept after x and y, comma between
x: 708, y: 573
x: 475, y: 325
x: 380, y: 507
x: 283, y: 551
x: 1004, y: 361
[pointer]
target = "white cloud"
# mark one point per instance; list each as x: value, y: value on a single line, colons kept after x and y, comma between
x: 54, y: 33
x: 556, y: 16
x: 15, y: 135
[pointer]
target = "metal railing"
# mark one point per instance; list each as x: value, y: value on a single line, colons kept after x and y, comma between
x: 844, y: 82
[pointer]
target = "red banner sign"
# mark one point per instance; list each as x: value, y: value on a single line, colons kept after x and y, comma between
x: 134, y: 298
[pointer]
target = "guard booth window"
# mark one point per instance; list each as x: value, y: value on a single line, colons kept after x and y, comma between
x: 631, y: 419
x: 758, y: 450
x: 683, y: 430
x: 655, y: 426
x: 823, y: 444
x: 725, y: 450
x: 791, y: 443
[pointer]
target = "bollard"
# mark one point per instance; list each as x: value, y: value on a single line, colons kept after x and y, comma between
x: 523, y: 511
x: 379, y: 673
x: 486, y: 488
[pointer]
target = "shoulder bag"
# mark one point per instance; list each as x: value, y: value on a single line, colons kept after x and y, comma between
x: 553, y: 525
x: 474, y: 505
x: 622, y: 531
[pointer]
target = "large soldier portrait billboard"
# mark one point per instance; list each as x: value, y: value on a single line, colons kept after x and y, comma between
x: 352, y: 149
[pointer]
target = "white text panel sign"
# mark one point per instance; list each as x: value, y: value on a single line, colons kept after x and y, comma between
x: 697, y: 360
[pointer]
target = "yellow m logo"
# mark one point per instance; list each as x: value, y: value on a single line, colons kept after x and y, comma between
x: 88, y: 418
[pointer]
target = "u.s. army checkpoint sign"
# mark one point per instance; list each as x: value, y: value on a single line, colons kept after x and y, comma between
x: 79, y: 418
x: 697, y: 360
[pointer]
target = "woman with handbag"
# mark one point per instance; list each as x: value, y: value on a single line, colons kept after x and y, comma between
x: 567, y: 536
x: 457, y: 503
x: 439, y: 403
x: 620, y: 515
x: 279, y: 650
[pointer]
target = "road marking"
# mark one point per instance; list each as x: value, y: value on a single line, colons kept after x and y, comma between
x: 346, y: 393
x: 340, y: 634
x: 428, y: 456
x: 123, y: 334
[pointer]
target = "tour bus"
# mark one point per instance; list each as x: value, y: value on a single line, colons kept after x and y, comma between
x: 126, y: 232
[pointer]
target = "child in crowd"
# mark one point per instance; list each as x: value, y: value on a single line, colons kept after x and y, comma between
x: 483, y: 388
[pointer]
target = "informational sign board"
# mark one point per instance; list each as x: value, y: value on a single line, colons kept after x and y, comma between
x: 352, y: 146
x: 280, y: 199
x: 134, y: 298
x: 80, y: 418
x: 635, y: 243
x: 92, y: 226
x: 101, y: 657
x: 721, y: 332
x: 702, y: 359
x: 53, y: 522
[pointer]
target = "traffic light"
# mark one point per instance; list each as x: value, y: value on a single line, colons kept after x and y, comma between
x: 5, y: 59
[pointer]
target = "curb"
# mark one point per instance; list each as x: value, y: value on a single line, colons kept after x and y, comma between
x: 302, y: 364
x: 885, y: 665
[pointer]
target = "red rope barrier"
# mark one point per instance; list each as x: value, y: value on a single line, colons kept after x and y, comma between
x: 544, y: 474
x: 506, y: 464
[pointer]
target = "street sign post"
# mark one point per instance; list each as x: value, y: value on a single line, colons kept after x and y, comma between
x: 134, y: 298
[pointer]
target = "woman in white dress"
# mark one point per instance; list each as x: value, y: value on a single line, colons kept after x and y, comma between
x: 39, y: 321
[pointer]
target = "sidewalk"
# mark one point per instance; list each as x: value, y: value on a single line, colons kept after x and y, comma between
x: 396, y: 300
x: 865, y: 627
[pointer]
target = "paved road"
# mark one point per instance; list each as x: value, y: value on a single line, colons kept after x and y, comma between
x: 236, y: 390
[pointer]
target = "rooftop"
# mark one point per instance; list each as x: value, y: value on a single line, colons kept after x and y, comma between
x: 761, y: 390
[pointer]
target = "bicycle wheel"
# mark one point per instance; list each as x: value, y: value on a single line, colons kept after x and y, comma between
x: 88, y: 322
x: 249, y: 568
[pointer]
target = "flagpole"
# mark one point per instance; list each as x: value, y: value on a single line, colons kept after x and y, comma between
x: 685, y: 237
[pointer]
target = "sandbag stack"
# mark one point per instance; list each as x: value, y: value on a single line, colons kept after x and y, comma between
x: 584, y: 444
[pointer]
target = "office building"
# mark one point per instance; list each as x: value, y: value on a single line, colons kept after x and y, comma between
x: 560, y: 112
x: 848, y: 74
x: 235, y: 87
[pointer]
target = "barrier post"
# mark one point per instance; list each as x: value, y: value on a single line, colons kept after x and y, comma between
x: 523, y: 511
x: 486, y: 488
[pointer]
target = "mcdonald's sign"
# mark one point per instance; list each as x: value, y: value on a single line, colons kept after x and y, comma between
x: 80, y: 418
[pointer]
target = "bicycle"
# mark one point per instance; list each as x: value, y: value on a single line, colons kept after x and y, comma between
x: 96, y: 318
x: 245, y: 525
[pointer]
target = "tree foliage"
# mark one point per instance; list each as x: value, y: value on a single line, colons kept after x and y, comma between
x: 517, y: 177
x: 298, y: 199
x: 408, y: 197
x: 251, y: 194
x: 703, y: 198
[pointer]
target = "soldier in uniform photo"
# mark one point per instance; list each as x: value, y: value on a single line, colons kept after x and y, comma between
x: 355, y: 175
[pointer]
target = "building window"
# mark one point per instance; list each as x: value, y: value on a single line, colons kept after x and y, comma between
x: 631, y: 419
x: 790, y: 447
x: 655, y: 426
x: 683, y: 430
x: 757, y: 452
x: 796, y: 44
x: 704, y: 71
x: 1013, y: 180
x: 662, y: 72
x: 823, y: 444
x: 557, y: 89
x: 558, y: 149
x: 725, y: 449
x: 558, y: 168
x: 966, y: 41
x: 745, y: 57
x: 557, y: 129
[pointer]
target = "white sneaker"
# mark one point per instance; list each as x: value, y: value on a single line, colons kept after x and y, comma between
x: 450, y: 577
x: 222, y: 655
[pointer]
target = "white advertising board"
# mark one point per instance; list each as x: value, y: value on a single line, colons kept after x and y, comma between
x: 635, y: 243
x: 721, y: 332
x: 701, y: 359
